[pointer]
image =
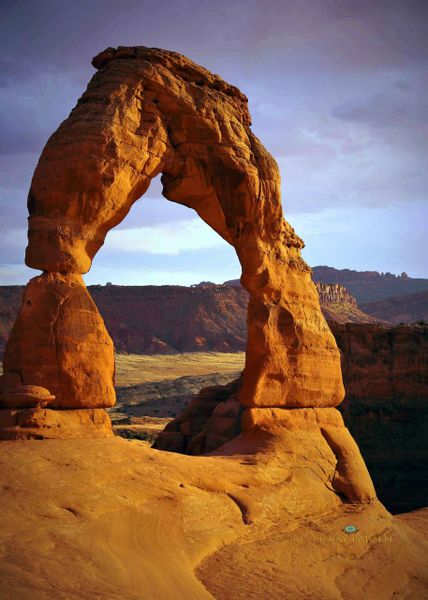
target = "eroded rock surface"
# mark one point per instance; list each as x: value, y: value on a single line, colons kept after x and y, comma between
x: 215, y: 417
x: 386, y: 407
x: 43, y: 423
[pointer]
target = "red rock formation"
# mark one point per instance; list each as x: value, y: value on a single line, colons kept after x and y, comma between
x: 215, y: 417
x: 59, y: 342
x: 331, y: 293
x: 148, y: 111
x: 10, y: 301
x: 169, y: 319
x: 162, y: 113
x: 385, y: 407
x: 386, y: 378
x: 337, y: 304
x: 43, y: 423
x: 61, y: 352
x: 370, y: 286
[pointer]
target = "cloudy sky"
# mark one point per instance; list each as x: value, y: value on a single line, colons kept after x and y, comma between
x: 337, y: 91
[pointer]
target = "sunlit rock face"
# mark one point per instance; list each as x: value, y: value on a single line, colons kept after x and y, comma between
x: 148, y: 111
x: 59, y: 342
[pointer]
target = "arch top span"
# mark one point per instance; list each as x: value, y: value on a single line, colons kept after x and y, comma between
x: 148, y: 111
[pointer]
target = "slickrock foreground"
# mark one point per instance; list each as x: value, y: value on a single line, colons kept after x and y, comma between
x: 109, y: 518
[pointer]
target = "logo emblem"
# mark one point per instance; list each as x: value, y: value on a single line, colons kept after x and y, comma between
x: 350, y: 529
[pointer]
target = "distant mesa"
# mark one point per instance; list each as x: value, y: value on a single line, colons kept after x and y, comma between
x: 175, y: 315
x: 337, y: 303
x: 370, y: 286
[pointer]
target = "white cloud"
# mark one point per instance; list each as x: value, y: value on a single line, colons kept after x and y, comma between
x: 16, y: 274
x: 135, y: 276
x: 166, y: 238
x: 377, y: 239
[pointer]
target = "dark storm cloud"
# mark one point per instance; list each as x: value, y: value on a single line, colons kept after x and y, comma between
x: 347, y: 34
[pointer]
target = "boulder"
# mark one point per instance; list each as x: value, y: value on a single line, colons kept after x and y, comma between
x: 26, y: 396
x: 45, y: 423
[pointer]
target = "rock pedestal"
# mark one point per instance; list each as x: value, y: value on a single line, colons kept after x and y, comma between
x: 215, y: 422
x: 59, y: 342
x: 58, y: 363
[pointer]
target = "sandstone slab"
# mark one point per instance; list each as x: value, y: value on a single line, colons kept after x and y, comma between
x: 26, y: 396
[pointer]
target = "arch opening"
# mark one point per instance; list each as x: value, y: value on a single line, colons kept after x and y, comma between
x: 160, y: 242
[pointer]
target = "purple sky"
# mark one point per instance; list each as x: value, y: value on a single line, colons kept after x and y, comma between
x: 337, y: 91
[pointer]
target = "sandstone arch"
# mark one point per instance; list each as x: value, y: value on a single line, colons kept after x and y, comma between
x: 149, y: 111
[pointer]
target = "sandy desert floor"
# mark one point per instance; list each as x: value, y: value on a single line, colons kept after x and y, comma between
x: 132, y: 369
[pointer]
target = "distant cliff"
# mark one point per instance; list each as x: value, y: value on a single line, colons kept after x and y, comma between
x: 169, y: 318
x: 334, y: 293
x: 400, y: 309
x: 165, y: 319
x: 370, y: 286
x: 10, y: 301
x: 385, y: 371
x: 337, y: 304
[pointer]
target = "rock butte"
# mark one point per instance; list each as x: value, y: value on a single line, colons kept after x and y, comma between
x: 149, y: 111
x: 138, y: 524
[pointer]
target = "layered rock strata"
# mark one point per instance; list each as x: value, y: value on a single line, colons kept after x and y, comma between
x: 170, y: 318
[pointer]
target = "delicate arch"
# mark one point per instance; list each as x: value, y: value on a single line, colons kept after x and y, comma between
x: 149, y: 111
